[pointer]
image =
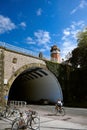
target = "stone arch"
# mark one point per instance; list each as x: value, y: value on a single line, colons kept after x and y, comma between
x: 20, y: 70
x: 53, y: 89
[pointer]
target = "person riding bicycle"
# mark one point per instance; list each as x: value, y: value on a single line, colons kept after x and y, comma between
x: 59, y: 104
x: 59, y: 110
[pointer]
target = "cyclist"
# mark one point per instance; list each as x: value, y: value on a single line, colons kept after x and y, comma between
x: 59, y: 104
x: 59, y: 108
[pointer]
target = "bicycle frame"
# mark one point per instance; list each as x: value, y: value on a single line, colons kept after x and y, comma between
x: 29, y: 120
x: 59, y: 110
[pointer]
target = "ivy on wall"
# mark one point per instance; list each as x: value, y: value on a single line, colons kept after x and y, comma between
x: 73, y: 83
x: 53, y: 67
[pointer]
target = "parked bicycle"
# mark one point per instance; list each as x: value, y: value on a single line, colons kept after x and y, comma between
x: 8, y: 112
x: 0, y: 111
x: 59, y: 110
x: 27, y: 120
x: 5, y: 111
x: 14, y: 112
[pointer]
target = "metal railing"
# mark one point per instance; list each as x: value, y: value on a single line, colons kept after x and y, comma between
x: 17, y: 103
x: 18, y: 49
x: 22, y: 50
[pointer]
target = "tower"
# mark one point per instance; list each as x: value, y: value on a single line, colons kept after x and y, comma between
x: 55, y: 54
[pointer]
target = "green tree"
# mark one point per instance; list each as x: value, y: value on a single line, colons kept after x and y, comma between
x: 78, y: 77
x: 79, y: 54
x: 82, y: 38
x: 79, y: 57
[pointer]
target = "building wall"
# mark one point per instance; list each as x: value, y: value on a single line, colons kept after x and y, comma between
x: 55, y: 57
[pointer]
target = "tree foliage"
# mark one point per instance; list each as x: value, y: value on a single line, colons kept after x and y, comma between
x: 79, y: 57
x: 82, y: 38
x: 79, y: 54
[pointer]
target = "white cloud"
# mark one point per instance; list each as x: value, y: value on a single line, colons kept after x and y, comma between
x: 39, y: 12
x: 83, y: 4
x: 74, y: 10
x: 6, y: 24
x: 67, y: 47
x: 46, y: 48
x: 69, y: 37
x: 23, y: 24
x: 29, y: 40
x: 42, y: 37
x: 79, y: 23
x: 2, y: 43
x: 66, y: 32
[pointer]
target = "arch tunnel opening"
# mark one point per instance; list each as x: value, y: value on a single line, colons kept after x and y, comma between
x: 35, y: 85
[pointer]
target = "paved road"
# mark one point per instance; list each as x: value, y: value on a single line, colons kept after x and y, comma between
x: 76, y: 111
x: 75, y: 119
x: 75, y: 115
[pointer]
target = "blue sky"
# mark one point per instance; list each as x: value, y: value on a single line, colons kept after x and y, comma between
x: 37, y: 25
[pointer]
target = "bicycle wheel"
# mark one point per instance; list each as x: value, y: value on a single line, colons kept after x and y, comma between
x: 59, y: 112
x: 6, y: 113
x: 16, y: 112
x: 55, y: 110
x: 62, y: 112
x: 18, y: 123
x: 34, y: 123
x: 15, y: 124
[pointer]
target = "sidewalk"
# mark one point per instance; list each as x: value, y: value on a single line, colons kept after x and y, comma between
x: 48, y: 123
x: 52, y: 124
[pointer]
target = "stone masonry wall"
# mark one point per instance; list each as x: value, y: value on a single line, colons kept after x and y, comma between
x: 13, y: 61
x: 1, y: 76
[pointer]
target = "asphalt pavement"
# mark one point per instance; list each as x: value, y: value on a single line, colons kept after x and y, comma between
x: 49, y: 121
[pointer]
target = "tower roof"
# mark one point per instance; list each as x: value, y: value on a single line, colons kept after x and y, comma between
x: 54, y: 47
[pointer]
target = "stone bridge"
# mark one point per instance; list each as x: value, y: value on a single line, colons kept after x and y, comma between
x: 24, y: 77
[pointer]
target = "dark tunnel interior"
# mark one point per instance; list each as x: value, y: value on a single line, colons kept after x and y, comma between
x: 35, y: 85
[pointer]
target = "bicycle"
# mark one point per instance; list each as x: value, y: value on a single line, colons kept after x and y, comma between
x: 8, y: 112
x: 29, y: 121
x: 0, y: 111
x: 5, y: 111
x: 59, y: 110
x: 14, y: 112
